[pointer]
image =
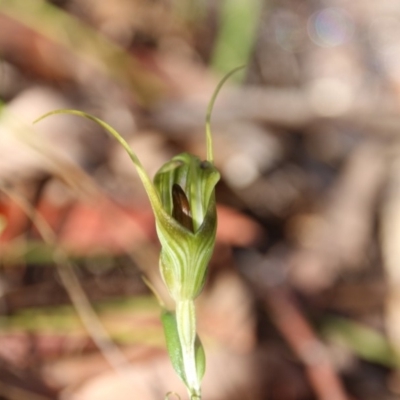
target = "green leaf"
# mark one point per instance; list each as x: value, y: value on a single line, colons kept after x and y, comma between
x: 175, y: 349
x: 200, y: 358
x: 168, y: 319
x: 366, y: 342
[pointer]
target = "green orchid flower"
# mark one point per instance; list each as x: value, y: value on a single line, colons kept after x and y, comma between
x: 186, y: 188
x: 182, y: 197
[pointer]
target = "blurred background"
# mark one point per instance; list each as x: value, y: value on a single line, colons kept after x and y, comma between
x: 302, y: 299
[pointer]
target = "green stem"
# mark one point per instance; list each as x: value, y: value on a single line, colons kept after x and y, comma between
x: 210, y: 156
x: 186, y: 326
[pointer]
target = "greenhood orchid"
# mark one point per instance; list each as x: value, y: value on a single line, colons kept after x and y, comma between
x: 186, y: 189
x: 182, y: 196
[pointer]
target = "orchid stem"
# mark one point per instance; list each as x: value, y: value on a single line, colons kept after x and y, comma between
x: 210, y: 156
x: 186, y: 326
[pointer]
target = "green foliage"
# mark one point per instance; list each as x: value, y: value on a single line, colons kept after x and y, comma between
x: 237, y: 33
x: 364, y: 341
x: 168, y: 319
x: 174, y: 347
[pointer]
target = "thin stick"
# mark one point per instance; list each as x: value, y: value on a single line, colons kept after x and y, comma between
x: 305, y: 344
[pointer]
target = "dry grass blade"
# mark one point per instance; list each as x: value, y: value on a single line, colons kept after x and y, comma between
x: 84, y: 44
x: 71, y: 283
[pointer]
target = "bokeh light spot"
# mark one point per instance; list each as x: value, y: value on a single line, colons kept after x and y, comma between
x: 330, y: 27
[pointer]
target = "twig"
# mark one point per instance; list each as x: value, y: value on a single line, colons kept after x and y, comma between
x: 295, y: 329
x: 308, y: 348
